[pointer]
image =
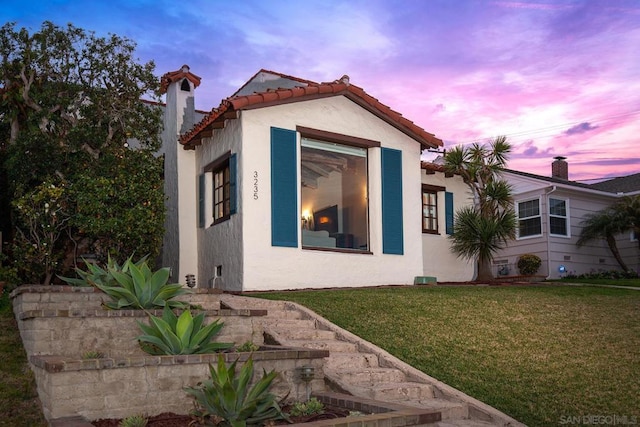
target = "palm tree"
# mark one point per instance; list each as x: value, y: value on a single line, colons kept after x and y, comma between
x: 479, y: 237
x: 621, y: 217
x: 602, y: 225
x: 480, y: 231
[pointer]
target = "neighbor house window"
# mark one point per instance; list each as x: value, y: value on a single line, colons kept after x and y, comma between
x: 430, y: 208
x: 334, y: 193
x: 529, y: 220
x: 558, y: 218
x: 223, y: 180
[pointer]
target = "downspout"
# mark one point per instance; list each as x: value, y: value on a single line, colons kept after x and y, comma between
x: 546, y: 193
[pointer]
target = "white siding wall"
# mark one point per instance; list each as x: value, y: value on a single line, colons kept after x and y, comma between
x: 266, y: 267
x: 556, y: 251
x: 437, y: 258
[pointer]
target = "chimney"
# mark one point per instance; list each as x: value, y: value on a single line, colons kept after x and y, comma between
x: 560, y: 168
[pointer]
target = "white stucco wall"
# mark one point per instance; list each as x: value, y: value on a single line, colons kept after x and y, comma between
x: 270, y: 268
x: 437, y: 258
x: 179, y: 248
x: 221, y: 245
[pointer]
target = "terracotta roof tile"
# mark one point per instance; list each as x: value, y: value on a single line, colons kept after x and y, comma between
x: 173, y: 76
x: 310, y: 91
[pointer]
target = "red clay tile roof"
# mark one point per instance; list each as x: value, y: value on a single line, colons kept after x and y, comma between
x: 311, y: 91
x: 173, y: 76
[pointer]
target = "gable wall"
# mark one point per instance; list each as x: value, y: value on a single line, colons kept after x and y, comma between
x: 438, y: 259
x: 269, y: 267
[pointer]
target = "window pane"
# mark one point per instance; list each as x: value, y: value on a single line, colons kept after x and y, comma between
x: 558, y: 226
x: 528, y: 208
x: 529, y: 227
x: 334, y: 195
x: 557, y: 207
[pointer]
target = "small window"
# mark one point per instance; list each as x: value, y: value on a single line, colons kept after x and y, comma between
x: 529, y: 220
x: 184, y: 86
x: 221, y: 193
x: 429, y: 211
x: 633, y: 236
x: 558, y: 218
x: 223, y: 177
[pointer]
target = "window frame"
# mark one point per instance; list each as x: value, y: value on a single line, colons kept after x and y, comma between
x: 566, y: 217
x: 518, y: 218
x: 219, y: 166
x: 431, y: 189
x: 350, y: 141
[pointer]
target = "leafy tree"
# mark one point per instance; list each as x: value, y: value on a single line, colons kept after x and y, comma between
x: 69, y: 108
x: 621, y: 217
x: 484, y: 228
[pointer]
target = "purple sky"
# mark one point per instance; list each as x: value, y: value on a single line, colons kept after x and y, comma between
x: 557, y: 77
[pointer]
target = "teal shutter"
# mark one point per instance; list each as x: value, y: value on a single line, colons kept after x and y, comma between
x: 448, y: 212
x: 284, y: 188
x: 233, y: 187
x: 392, y: 226
x: 201, y: 200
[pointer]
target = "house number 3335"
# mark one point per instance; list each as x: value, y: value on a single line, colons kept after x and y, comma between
x: 255, y: 185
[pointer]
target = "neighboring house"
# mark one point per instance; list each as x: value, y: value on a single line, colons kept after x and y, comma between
x: 550, y: 210
x: 442, y: 195
x: 295, y: 184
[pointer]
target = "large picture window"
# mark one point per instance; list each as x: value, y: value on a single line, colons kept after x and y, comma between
x: 558, y: 218
x: 529, y: 220
x: 334, y: 202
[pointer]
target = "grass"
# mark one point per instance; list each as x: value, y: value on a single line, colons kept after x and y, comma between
x: 615, y: 282
x: 19, y: 404
x: 539, y: 354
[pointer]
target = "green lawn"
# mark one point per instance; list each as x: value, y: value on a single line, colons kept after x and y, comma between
x: 616, y: 282
x: 539, y: 354
x: 19, y: 404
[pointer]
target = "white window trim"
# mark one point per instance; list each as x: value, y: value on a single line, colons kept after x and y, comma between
x: 568, y: 217
x: 517, y: 202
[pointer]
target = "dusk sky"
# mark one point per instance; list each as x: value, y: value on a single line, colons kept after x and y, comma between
x: 558, y: 78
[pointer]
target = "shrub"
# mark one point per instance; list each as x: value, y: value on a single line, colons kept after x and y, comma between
x: 310, y: 407
x: 228, y: 397
x: 134, y: 421
x: 133, y: 286
x: 529, y: 264
x: 180, y: 335
x: 92, y: 354
x: 247, y: 347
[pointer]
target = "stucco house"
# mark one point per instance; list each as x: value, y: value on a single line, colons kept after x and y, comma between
x: 550, y: 211
x: 290, y: 183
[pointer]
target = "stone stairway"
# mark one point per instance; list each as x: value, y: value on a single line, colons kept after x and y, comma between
x: 359, y: 368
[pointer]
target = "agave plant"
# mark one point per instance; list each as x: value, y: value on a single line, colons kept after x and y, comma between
x: 98, y: 275
x: 180, y: 335
x: 133, y: 285
x: 227, y: 396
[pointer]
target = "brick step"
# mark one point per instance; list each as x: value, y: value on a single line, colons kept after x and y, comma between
x: 392, y: 392
x: 284, y: 324
x: 238, y: 302
x: 305, y: 334
x: 279, y: 313
x: 331, y: 345
x: 368, y: 377
x: 350, y: 360
x: 463, y: 423
x: 451, y: 411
